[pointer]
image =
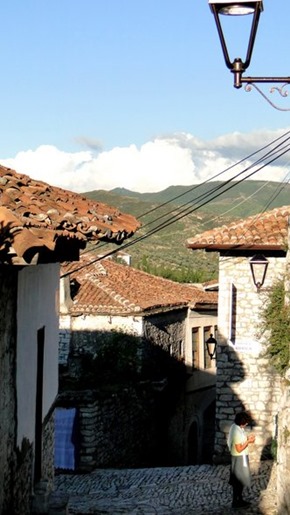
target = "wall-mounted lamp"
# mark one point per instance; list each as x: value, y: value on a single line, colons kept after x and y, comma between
x: 259, y: 265
x: 237, y: 65
x: 211, y: 344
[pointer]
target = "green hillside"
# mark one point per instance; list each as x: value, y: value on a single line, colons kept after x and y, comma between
x: 165, y: 253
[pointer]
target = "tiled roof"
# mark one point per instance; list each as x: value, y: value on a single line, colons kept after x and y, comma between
x: 106, y: 287
x: 39, y: 222
x: 267, y: 231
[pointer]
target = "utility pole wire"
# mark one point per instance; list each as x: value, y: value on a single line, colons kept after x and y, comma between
x: 215, y: 188
x: 196, y: 186
x: 186, y: 211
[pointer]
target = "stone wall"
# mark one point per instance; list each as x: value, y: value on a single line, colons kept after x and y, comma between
x: 47, y: 466
x: 126, y: 423
x: 245, y: 380
x: 64, y: 346
x: 22, y: 480
x: 15, y: 463
x: 245, y: 383
x: 118, y: 431
x: 168, y: 331
x: 283, y: 451
x: 283, y: 455
x: 8, y: 285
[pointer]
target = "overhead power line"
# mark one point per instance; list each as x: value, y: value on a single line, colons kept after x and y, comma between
x: 276, y: 193
x: 205, y: 198
x: 256, y: 218
x: 221, y: 186
x: 196, y: 186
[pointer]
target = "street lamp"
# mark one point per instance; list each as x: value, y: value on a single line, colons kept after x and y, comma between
x: 211, y: 344
x: 238, y: 66
x: 259, y: 265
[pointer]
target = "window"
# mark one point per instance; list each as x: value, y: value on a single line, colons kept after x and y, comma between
x: 207, y: 331
x: 195, y: 347
x: 232, y: 312
x: 181, y: 350
x: 200, y: 357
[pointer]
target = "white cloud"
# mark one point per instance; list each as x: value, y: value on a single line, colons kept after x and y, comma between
x: 179, y: 159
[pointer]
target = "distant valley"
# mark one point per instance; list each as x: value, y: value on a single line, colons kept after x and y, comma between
x: 204, y: 206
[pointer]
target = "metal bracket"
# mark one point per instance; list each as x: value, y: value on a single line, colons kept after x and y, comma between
x: 281, y: 91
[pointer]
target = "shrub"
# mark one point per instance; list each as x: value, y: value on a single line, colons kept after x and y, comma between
x: 276, y: 325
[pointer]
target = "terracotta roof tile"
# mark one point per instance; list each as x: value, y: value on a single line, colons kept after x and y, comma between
x: 106, y: 287
x: 39, y: 222
x: 264, y: 231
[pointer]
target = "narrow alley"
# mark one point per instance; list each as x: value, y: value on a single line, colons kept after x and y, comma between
x: 192, y: 490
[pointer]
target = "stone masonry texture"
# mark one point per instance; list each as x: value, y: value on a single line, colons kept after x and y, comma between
x: 245, y: 379
x: 126, y: 423
x: 16, y: 464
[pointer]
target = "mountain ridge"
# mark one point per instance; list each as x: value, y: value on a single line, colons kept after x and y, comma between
x: 164, y: 252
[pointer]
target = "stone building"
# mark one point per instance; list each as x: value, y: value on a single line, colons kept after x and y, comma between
x: 158, y: 418
x: 245, y: 379
x: 41, y: 226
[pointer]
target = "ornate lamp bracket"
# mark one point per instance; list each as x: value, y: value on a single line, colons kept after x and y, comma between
x: 283, y: 92
x: 236, y: 9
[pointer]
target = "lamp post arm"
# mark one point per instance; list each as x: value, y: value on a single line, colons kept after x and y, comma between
x: 238, y: 67
x: 250, y: 80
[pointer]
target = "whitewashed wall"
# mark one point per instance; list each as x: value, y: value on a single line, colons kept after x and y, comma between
x: 38, y: 306
x: 127, y: 324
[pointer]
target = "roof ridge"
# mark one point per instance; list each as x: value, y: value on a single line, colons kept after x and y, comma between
x: 115, y: 295
x: 159, y: 278
x: 267, y: 230
x: 99, y: 269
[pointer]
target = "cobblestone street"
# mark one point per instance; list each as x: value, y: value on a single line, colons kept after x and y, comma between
x: 188, y: 490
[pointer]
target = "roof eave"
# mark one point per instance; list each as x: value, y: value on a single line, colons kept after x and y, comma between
x: 139, y: 311
x: 165, y: 307
x: 207, y: 306
x: 219, y: 247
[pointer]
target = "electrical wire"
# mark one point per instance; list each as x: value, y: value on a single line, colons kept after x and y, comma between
x: 215, y: 188
x: 256, y: 218
x: 196, y: 186
x: 213, y: 193
x: 185, y: 212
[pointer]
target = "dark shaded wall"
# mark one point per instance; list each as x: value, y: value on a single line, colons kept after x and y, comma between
x: 130, y: 392
x: 115, y: 429
x: 15, y: 464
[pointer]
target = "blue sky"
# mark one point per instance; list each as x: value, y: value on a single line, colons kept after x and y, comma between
x: 97, y: 92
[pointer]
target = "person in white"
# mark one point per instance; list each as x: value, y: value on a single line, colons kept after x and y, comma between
x: 238, y: 444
